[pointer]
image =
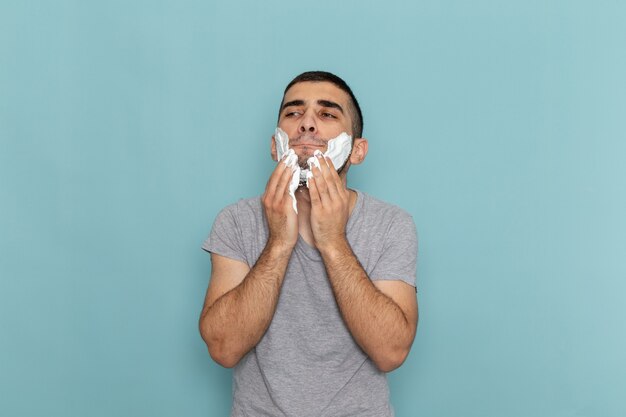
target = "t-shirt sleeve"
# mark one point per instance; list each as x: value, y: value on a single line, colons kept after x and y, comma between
x: 398, y: 260
x: 225, y: 236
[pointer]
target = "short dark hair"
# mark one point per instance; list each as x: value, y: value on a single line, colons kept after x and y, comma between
x: 323, y: 76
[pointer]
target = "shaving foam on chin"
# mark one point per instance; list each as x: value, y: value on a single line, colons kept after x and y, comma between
x: 338, y: 151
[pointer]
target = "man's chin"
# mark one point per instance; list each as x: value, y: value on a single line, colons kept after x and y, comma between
x: 302, y: 160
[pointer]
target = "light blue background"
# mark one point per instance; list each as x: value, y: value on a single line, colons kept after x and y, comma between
x: 126, y: 126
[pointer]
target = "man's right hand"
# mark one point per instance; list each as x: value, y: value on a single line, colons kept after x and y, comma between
x: 281, y: 218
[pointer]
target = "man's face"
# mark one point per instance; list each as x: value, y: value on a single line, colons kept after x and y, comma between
x: 313, y: 113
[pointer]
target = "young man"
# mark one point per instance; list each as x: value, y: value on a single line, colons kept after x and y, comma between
x: 312, y: 308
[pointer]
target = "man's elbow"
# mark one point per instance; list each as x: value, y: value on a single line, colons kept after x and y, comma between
x: 391, y: 360
x: 223, y: 358
x: 219, y: 351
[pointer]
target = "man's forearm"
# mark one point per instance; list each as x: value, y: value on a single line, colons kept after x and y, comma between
x: 376, y: 322
x: 237, y: 320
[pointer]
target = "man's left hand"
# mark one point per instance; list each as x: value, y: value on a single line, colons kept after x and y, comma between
x: 330, y: 205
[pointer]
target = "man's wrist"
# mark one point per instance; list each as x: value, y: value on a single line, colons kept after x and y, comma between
x: 278, y: 249
x: 333, y: 248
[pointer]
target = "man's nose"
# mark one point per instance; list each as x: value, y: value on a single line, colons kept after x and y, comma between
x: 307, y: 125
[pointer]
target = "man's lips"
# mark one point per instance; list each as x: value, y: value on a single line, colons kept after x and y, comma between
x: 307, y: 144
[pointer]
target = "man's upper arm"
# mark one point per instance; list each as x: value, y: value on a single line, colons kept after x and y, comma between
x: 226, y: 274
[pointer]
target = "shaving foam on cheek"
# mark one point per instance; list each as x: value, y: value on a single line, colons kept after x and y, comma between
x: 291, y: 160
x: 282, y: 142
x: 338, y: 151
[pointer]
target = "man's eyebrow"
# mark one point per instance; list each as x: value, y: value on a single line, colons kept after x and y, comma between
x: 323, y: 103
x: 331, y: 104
x: 293, y: 103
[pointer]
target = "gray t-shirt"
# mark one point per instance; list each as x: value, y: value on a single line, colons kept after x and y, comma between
x: 307, y: 363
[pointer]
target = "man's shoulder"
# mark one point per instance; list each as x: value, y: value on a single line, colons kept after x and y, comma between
x: 245, y: 206
x: 246, y: 214
x: 380, y: 209
x: 232, y: 228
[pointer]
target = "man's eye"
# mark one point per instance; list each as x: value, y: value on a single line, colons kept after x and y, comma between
x: 328, y: 115
x: 292, y: 114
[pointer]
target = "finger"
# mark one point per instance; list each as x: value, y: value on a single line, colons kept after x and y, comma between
x: 276, y: 174
x: 329, y: 163
x: 334, y: 177
x: 321, y: 185
x: 282, y: 188
x: 327, y: 168
x: 327, y: 171
x: 314, y: 192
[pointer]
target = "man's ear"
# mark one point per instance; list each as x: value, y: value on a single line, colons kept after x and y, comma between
x: 359, y: 151
x: 273, y: 148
